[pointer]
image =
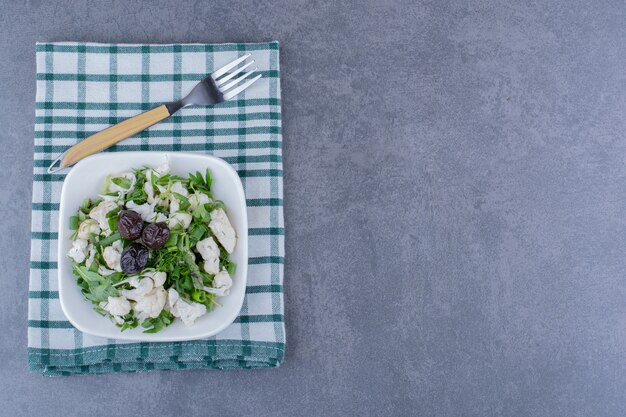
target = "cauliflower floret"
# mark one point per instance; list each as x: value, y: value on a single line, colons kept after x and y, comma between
x: 209, y: 251
x: 186, y: 311
x: 117, y: 307
x: 197, y: 199
x: 146, y: 211
x: 99, y: 214
x: 160, y: 218
x: 179, y: 188
x: 189, y: 312
x: 141, y: 288
x: 147, y: 186
x: 92, y: 254
x: 78, y: 252
x: 104, y: 271
x: 133, y: 281
x: 113, y: 254
x: 149, y: 298
x: 162, y: 202
x: 114, y: 188
x: 223, y: 230
x: 179, y: 218
x: 221, y: 284
x: 87, y: 227
x: 172, y: 298
x: 157, y: 277
x: 151, y: 304
x: 174, y: 205
x: 222, y: 280
x: 164, y: 168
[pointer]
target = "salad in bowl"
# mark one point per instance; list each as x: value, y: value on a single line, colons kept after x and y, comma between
x: 153, y: 248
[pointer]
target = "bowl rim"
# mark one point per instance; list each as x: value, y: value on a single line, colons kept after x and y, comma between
x: 153, y: 337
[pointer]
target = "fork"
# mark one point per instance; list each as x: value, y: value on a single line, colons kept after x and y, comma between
x: 216, y: 88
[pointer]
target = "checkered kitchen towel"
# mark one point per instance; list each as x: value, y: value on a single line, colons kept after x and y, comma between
x: 84, y: 87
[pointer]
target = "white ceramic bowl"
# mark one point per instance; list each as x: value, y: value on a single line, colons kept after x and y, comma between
x: 86, y: 180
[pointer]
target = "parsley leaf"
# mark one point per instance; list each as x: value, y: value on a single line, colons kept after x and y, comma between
x: 130, y: 322
x: 155, y: 325
x: 198, y: 183
x: 201, y: 213
x: 138, y: 195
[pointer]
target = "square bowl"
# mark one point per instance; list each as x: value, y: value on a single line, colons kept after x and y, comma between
x: 86, y: 179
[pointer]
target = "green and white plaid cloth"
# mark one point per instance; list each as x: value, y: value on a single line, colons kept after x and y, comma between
x: 83, y: 88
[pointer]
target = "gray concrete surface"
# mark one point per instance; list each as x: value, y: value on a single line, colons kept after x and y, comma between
x: 455, y: 207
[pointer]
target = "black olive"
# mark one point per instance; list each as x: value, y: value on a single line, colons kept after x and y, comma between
x: 134, y: 258
x: 129, y: 224
x: 155, y: 235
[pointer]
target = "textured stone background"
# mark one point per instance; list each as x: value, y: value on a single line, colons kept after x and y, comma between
x: 455, y: 208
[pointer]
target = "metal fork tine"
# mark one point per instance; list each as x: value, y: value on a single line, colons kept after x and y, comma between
x: 232, y: 74
x: 232, y: 93
x: 237, y: 81
x: 218, y: 73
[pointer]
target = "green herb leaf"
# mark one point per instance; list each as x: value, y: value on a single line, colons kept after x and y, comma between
x: 201, y: 213
x: 173, y: 240
x: 130, y: 322
x: 138, y: 196
x: 198, y: 183
x: 230, y: 267
x: 74, y: 221
x: 209, y: 179
x: 194, y: 269
x: 184, y: 284
x: 116, y: 277
x: 122, y: 182
x: 113, y: 212
x: 100, y: 293
x: 113, y: 224
x: 100, y: 311
x: 153, y: 178
x: 217, y: 204
x: 85, y: 208
x: 93, y: 238
x: 110, y: 239
x: 156, y: 325
x: 99, y: 288
x: 197, y: 232
x: 107, y: 183
x: 199, y: 296
x: 167, y: 179
x: 87, y: 275
x: 184, y: 201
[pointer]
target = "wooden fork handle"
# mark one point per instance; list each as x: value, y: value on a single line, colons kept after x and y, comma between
x: 112, y: 135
